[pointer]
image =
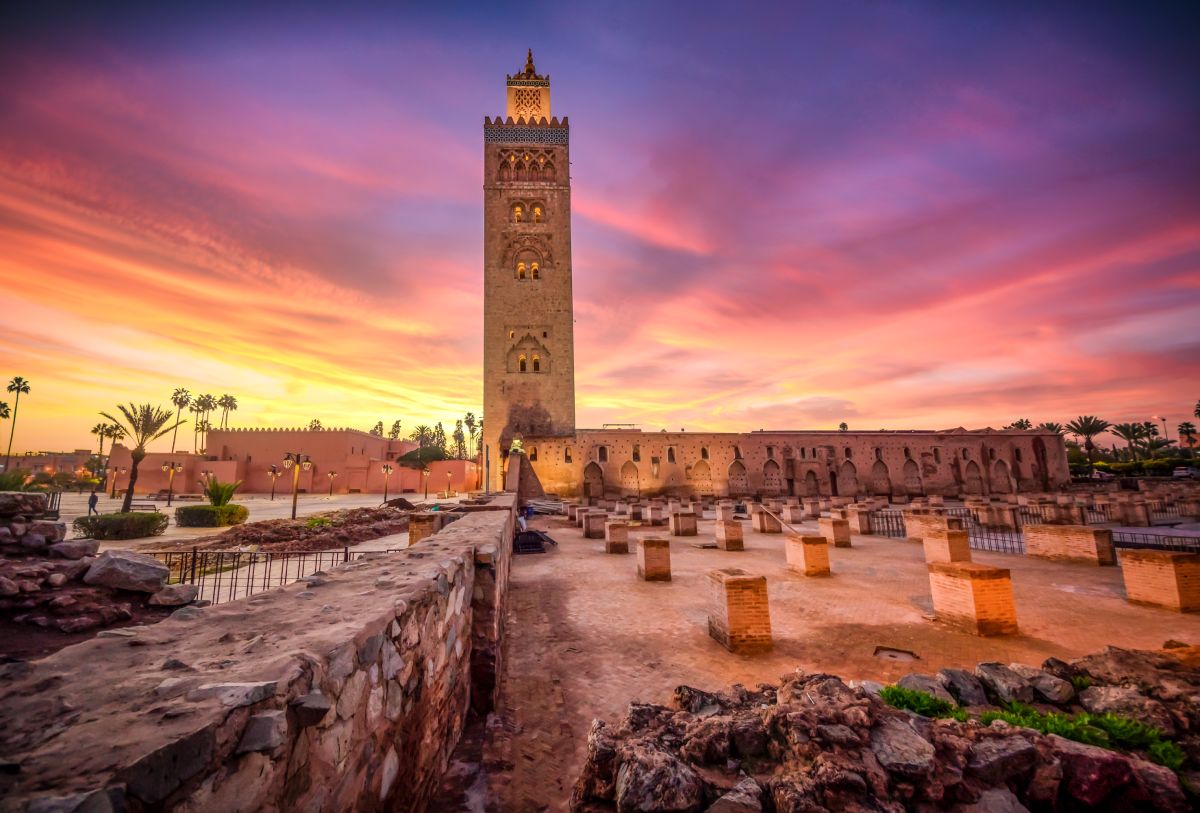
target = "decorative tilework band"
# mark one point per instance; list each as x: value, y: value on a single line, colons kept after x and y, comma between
x: 525, y: 135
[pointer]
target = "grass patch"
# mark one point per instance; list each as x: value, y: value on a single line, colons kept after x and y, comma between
x: 921, y: 703
x: 317, y: 522
x: 1081, y: 682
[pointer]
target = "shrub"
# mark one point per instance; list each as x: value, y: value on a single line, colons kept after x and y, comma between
x: 922, y: 703
x: 219, y: 493
x: 1081, y: 682
x: 317, y: 522
x: 13, y: 480
x: 134, y: 525
x: 210, y: 516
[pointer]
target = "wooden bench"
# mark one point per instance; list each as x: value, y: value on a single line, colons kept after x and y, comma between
x: 143, y: 506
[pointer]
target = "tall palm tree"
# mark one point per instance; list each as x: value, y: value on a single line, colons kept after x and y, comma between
x: 198, y: 412
x: 422, y: 434
x: 100, y: 430
x: 1051, y: 426
x: 18, y: 385
x: 144, y: 423
x: 1087, y: 427
x: 1187, y: 431
x: 115, y: 433
x: 228, y: 404
x: 1021, y: 423
x: 469, y: 422
x: 207, y: 404
x: 181, y: 398
x: 1131, y: 433
x: 1196, y: 410
x: 315, y: 425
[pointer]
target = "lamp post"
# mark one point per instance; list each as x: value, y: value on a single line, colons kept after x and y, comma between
x: 114, y: 487
x: 171, y: 468
x: 447, y: 485
x: 387, y: 470
x: 425, y: 472
x: 296, y: 461
x: 331, y: 475
x: 274, y: 473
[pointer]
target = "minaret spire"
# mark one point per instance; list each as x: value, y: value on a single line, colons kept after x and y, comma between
x: 529, y: 69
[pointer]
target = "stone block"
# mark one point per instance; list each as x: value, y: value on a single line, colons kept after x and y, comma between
x: 860, y: 520
x: 683, y: 524
x: 947, y: 546
x: 738, y: 615
x: 1070, y: 543
x: 654, y: 559
x: 724, y: 512
x: 422, y: 525
x: 728, y: 534
x: 808, y: 554
x: 594, y: 525
x: 655, y: 514
x: 616, y: 537
x: 1162, y: 579
x: 793, y: 514
x: 974, y: 597
x: 837, y: 531
x: 765, y: 522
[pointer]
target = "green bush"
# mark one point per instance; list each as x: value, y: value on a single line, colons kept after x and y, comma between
x: 922, y: 703
x: 134, y: 525
x: 13, y: 480
x: 317, y: 522
x: 1081, y: 682
x: 210, y: 516
x: 219, y: 493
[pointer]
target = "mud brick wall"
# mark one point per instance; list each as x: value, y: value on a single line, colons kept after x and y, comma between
x: 1070, y: 543
x: 1162, y: 579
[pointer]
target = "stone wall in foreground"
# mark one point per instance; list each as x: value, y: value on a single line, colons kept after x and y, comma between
x: 347, y: 691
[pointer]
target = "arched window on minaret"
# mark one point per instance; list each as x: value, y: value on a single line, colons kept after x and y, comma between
x: 537, y: 213
x: 518, y: 211
x: 520, y: 270
x: 521, y: 362
x: 537, y: 363
x: 533, y: 271
x: 548, y: 172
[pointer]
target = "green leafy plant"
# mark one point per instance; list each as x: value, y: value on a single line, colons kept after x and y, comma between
x: 130, y: 525
x: 210, y: 516
x: 317, y: 522
x: 13, y: 480
x: 1081, y: 682
x: 219, y: 493
x: 1167, y: 754
x: 922, y: 703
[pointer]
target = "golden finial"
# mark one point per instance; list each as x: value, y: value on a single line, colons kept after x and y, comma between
x: 529, y: 70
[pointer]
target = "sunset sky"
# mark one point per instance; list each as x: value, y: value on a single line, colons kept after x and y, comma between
x: 900, y: 215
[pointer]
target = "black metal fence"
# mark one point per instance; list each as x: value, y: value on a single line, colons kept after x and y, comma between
x: 228, y: 575
x: 1133, y: 539
x: 1161, y: 511
x: 888, y: 523
x: 1097, y: 514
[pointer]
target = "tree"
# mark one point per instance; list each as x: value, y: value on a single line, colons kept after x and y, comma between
x: 5, y: 412
x: 377, y: 429
x: 460, y: 441
x: 439, y: 439
x: 394, y: 432
x: 228, y: 404
x: 1187, y: 431
x: 181, y: 398
x: 197, y: 419
x: 1020, y: 423
x: 315, y: 425
x: 1131, y: 433
x: 207, y: 405
x: 1087, y: 427
x: 19, y: 386
x: 1051, y: 426
x: 100, y: 430
x: 1196, y: 410
x: 469, y: 422
x: 422, y: 434
x: 144, y: 423
x: 843, y: 427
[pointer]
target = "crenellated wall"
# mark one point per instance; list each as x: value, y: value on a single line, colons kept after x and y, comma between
x: 344, y: 692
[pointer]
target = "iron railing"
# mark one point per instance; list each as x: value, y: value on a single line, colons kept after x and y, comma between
x: 228, y: 575
x: 888, y: 523
x: 1152, y: 541
x: 1163, y: 511
x: 1097, y: 514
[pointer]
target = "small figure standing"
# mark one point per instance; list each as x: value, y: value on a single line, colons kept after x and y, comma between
x: 521, y: 519
x: 92, y: 500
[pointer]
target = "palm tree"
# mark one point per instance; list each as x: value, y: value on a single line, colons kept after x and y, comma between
x: 144, y: 423
x: 1196, y: 410
x: 100, y: 430
x: 181, y: 398
x: 1051, y: 426
x: 18, y: 385
x: 469, y: 422
x: 115, y: 433
x: 1020, y: 423
x: 422, y: 435
x: 228, y: 404
x: 1187, y: 431
x: 197, y: 411
x: 843, y: 427
x: 1131, y: 433
x: 1087, y: 427
x: 314, y: 425
x: 207, y: 404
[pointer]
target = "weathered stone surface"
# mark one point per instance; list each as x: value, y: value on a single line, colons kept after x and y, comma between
x: 994, y: 800
x: 1090, y: 774
x: 8, y: 587
x: 650, y: 780
x: 153, y: 777
x: 900, y: 749
x: 1003, y: 684
x: 22, y: 503
x: 1127, y: 703
x: 746, y: 797
x: 264, y: 731
x: 924, y: 683
x: 75, y: 548
x: 311, y: 709
x: 963, y: 686
x: 996, y: 759
x: 235, y: 695
x: 125, y: 570
x: 1046, y: 686
x: 174, y: 595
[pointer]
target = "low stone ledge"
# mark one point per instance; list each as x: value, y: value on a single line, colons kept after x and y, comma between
x: 1070, y: 543
x: 1162, y: 578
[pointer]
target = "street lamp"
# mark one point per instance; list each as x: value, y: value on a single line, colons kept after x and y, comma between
x: 331, y: 475
x: 171, y: 468
x: 114, y: 488
x: 387, y: 470
x: 296, y: 461
x: 425, y: 472
x: 274, y: 473
x: 447, y: 485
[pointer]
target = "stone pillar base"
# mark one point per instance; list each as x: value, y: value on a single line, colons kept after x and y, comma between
x: 808, y: 554
x: 654, y: 559
x: 616, y: 537
x: 738, y: 616
x: 593, y: 526
x: 977, y: 598
x: 836, y: 531
x: 423, y: 525
x: 1162, y: 578
x: 765, y: 523
x: 1070, y: 543
x: 728, y: 534
x: 793, y: 514
x: 947, y: 546
x: 683, y: 524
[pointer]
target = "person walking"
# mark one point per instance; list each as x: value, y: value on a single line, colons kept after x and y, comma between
x: 92, y: 500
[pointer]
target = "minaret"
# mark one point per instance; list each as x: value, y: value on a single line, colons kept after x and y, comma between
x: 529, y: 345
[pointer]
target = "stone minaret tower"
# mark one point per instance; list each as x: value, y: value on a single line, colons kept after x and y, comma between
x: 529, y: 345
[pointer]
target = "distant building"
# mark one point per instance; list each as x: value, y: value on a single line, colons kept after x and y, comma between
x: 52, y: 462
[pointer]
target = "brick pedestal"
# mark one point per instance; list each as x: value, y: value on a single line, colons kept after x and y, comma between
x: 836, y: 531
x: 423, y: 525
x: 683, y: 524
x: 1162, y: 579
x: 793, y: 514
x: 765, y: 523
x: 1070, y: 543
x: 860, y: 520
x: 725, y: 512
x: 812, y: 509
x: 728, y: 533
x: 738, y: 616
x: 974, y: 597
x: 572, y: 510
x: 581, y: 516
x: 947, y: 546
x: 654, y: 559
x: 593, y: 527
x: 616, y: 537
x: 808, y: 554
x: 655, y: 515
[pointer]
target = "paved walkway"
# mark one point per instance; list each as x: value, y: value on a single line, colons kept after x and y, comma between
x: 584, y: 636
